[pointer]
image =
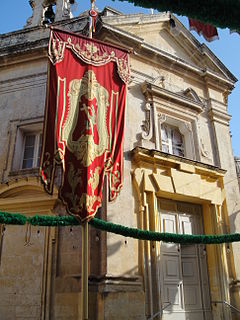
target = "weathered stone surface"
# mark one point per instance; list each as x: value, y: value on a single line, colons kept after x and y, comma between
x: 174, y: 80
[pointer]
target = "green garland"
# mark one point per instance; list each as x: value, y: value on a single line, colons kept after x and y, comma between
x: 38, y: 220
x: 53, y: 221
x: 12, y: 218
x: 220, y: 13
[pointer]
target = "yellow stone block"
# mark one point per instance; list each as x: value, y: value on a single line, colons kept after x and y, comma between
x: 163, y: 183
x: 185, y: 183
x: 187, y: 167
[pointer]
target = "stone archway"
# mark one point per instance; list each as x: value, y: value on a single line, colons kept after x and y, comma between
x: 25, y: 270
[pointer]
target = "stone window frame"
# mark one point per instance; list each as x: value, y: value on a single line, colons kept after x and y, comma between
x: 14, y: 154
x: 37, y: 144
x: 21, y: 133
x: 185, y: 129
x: 176, y: 109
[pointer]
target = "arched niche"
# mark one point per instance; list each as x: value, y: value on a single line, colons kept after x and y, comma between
x: 26, y: 195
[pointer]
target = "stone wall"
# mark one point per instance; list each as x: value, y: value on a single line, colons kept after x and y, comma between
x: 42, y: 279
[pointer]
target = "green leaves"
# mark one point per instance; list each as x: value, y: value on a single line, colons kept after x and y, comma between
x: 219, y: 13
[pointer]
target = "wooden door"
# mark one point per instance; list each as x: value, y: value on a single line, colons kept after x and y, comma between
x: 182, y: 267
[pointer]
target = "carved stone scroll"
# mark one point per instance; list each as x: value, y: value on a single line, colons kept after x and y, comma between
x: 147, y: 133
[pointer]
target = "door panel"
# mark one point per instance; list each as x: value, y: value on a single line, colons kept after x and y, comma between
x: 173, y: 295
x: 186, y: 227
x: 189, y: 270
x: 186, y: 224
x: 191, y: 298
x: 204, y: 277
x: 170, y: 266
x: 191, y: 283
x: 188, y: 250
x: 169, y: 224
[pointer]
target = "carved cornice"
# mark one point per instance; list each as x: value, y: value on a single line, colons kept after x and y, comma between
x: 140, y: 154
x: 154, y: 92
x: 219, y: 116
x: 130, y: 19
x: 211, y: 77
x: 145, y: 50
x: 177, y: 178
x: 182, y: 179
x: 27, y: 40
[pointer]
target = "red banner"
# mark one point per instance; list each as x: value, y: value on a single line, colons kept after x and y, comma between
x: 84, y: 120
x: 208, y: 31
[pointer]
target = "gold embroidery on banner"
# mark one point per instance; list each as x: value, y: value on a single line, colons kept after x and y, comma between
x: 46, y: 167
x: 56, y: 50
x: 74, y: 178
x: 115, y: 175
x: 108, y: 164
x: 89, y: 54
x: 123, y: 70
x: 116, y: 122
x: 91, y: 48
x: 87, y: 201
x: 116, y: 94
x: 85, y: 149
x: 116, y: 178
x: 93, y: 181
x: 59, y: 154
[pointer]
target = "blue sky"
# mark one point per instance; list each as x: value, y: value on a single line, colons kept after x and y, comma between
x: 14, y: 14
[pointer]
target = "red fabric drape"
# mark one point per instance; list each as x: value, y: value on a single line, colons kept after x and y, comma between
x: 208, y: 31
x: 84, y: 121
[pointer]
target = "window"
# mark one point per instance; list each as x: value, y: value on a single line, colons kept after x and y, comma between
x: 237, y: 164
x: 172, y: 140
x: 32, y: 150
x: 28, y: 146
x: 176, y: 136
x: 170, y: 133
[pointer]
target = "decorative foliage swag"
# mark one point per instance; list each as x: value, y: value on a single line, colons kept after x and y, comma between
x: 220, y: 13
x: 39, y: 220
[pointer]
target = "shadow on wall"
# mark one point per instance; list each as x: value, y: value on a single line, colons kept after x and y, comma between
x: 233, y: 217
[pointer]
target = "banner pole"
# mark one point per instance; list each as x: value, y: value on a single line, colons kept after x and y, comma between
x: 84, y: 277
x: 90, y: 35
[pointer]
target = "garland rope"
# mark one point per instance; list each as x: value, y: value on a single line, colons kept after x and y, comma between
x: 220, y: 13
x: 53, y: 221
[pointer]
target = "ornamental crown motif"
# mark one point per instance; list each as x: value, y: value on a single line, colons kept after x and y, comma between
x: 91, y: 48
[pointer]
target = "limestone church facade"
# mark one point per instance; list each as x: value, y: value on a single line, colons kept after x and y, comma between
x: 179, y: 177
